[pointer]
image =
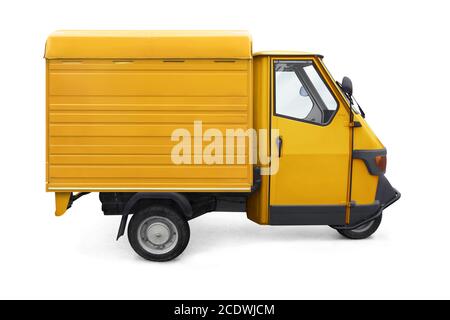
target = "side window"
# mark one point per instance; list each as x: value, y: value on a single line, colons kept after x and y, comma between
x: 291, y: 96
x: 301, y: 93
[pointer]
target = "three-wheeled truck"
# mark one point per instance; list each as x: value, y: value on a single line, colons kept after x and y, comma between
x: 142, y: 118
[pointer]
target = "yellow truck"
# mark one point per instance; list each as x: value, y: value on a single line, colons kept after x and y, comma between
x: 169, y: 125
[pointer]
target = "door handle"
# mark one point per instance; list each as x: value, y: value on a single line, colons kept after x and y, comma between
x: 279, y: 142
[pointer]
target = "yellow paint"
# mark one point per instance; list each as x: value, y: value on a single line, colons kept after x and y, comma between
x: 109, y: 122
x: 314, y: 165
x: 365, y: 138
x: 342, y: 101
x: 364, y: 185
x: 61, y: 202
x: 257, y: 204
x: 148, y: 44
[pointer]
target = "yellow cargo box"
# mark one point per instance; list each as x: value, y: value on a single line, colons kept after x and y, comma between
x: 115, y: 97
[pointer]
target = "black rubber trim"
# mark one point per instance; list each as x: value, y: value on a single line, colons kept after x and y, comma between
x: 307, y: 215
x: 178, y: 198
x: 359, y: 224
x: 333, y: 216
x: 257, y: 180
x: 75, y: 197
x: 368, y: 156
x: 385, y: 191
x: 360, y: 213
x: 375, y: 216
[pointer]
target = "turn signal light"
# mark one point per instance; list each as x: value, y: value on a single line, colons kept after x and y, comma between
x: 381, y: 162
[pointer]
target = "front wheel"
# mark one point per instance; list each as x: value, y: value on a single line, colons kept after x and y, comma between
x: 158, y: 233
x: 362, y: 232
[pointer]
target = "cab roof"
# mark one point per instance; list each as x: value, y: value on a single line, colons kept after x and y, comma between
x: 286, y: 53
x: 77, y: 44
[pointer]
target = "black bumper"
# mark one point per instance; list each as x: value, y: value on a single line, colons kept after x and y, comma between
x: 386, y: 194
x: 362, y: 214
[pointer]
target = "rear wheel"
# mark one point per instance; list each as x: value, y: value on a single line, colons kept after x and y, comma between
x: 362, y: 232
x: 158, y: 233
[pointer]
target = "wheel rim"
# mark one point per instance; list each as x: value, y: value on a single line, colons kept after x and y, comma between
x: 364, y: 227
x: 157, y: 235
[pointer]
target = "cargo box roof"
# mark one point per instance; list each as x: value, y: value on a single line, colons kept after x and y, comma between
x: 142, y: 44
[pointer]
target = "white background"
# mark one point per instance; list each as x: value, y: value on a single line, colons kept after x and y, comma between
x: 397, y: 54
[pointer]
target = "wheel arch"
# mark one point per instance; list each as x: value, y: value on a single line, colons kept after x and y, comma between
x: 176, y: 200
x: 141, y: 199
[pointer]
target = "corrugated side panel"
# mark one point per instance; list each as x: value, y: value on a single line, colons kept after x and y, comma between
x: 110, y: 123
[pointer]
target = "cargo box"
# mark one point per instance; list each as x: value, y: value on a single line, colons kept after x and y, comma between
x: 114, y: 98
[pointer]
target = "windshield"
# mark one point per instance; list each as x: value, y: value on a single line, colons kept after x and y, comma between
x: 352, y: 102
x: 355, y: 107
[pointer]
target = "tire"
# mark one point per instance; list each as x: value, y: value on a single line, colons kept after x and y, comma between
x: 158, y: 233
x: 364, y: 231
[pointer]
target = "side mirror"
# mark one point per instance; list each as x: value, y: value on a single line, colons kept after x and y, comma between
x: 303, y: 92
x: 347, y: 86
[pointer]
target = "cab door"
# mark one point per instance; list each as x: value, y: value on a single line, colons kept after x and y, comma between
x: 312, y: 145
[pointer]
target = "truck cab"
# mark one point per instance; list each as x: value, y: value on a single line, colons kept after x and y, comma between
x: 331, y: 164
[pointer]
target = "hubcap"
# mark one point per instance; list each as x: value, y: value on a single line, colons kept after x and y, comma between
x: 157, y: 235
x: 364, y: 227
